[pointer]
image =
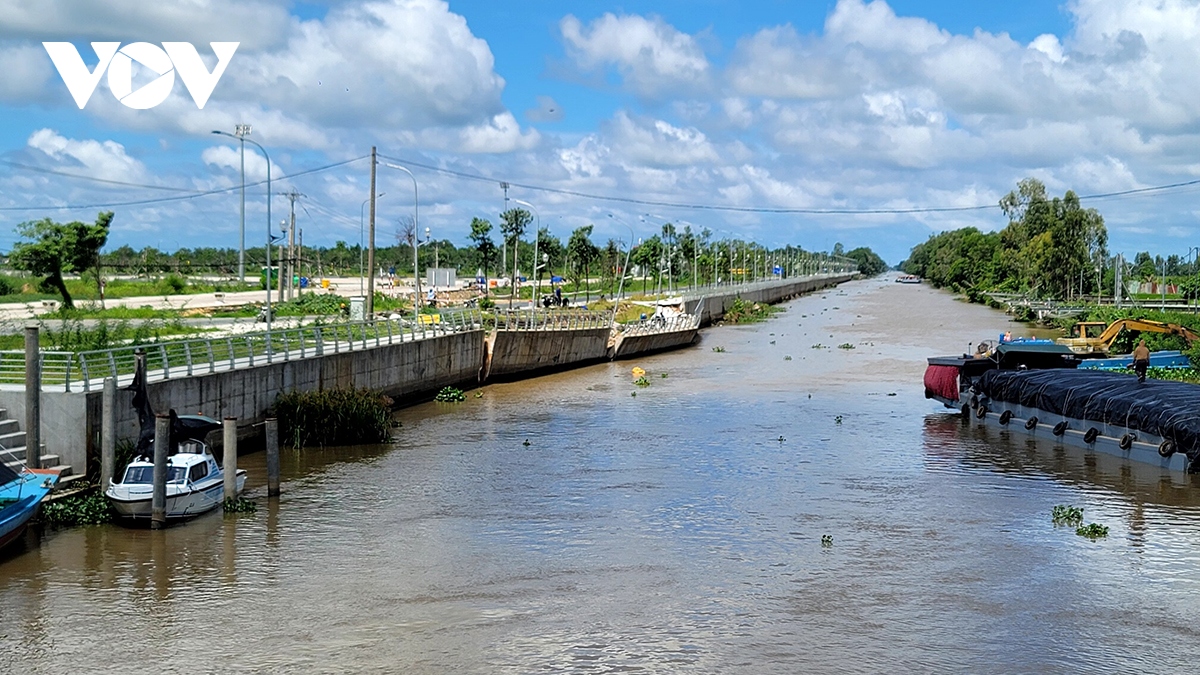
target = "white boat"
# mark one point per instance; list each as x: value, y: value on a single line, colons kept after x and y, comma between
x: 195, y: 482
x: 195, y: 485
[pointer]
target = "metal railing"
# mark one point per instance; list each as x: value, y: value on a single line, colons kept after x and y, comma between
x: 660, y: 324
x: 552, y: 319
x: 196, y: 356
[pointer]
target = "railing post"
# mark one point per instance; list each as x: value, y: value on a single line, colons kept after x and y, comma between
x: 212, y: 362
x: 83, y: 371
x: 112, y: 363
x: 162, y: 351
x: 229, y: 342
x: 187, y: 354
x: 33, y: 399
x: 320, y: 341
x: 250, y: 349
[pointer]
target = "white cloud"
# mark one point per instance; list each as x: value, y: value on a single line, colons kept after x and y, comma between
x: 102, y: 159
x: 658, y: 143
x: 652, y: 56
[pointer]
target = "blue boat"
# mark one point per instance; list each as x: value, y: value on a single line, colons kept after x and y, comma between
x: 21, y: 493
x: 1164, y: 359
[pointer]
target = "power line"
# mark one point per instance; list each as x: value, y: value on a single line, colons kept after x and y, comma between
x: 39, y: 169
x: 160, y: 200
x: 773, y: 210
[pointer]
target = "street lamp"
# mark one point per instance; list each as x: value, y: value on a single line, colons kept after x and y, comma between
x: 625, y: 269
x: 360, y: 240
x: 536, y: 236
x: 416, y: 223
x: 242, y: 131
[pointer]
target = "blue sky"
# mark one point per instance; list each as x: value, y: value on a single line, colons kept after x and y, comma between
x: 745, y: 109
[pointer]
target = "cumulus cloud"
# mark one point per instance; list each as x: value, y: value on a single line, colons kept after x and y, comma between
x: 103, y: 159
x: 659, y: 143
x: 652, y: 56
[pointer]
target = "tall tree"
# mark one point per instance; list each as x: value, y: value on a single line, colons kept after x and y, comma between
x: 55, y: 249
x: 582, y: 253
x: 513, y: 224
x: 485, y: 249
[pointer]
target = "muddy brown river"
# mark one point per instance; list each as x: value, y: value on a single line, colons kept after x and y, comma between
x: 678, y: 530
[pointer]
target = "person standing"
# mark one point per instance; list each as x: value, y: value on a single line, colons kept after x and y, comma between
x: 1141, y: 359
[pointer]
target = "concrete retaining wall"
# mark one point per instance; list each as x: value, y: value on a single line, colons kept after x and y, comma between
x: 635, y: 345
x: 71, y: 421
x: 714, y: 306
x: 511, y: 352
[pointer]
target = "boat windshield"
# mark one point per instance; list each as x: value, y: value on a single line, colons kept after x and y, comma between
x: 144, y: 475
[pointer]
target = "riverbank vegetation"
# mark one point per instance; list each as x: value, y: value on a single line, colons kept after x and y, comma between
x: 333, y: 417
x: 1051, y: 248
x: 740, y: 311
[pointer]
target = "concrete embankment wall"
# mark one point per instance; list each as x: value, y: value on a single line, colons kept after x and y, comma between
x: 512, y: 352
x: 635, y: 345
x: 714, y: 305
x: 71, y: 421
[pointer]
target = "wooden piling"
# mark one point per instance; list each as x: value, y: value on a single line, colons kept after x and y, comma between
x: 230, y: 458
x: 33, y: 399
x: 108, y: 433
x: 272, y: 457
x: 158, y: 499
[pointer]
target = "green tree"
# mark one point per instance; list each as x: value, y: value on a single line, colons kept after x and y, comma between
x: 582, y: 253
x: 55, y: 249
x: 513, y: 223
x: 869, y: 263
x: 485, y: 249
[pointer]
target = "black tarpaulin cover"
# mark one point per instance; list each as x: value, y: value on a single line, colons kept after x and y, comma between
x: 1168, y: 409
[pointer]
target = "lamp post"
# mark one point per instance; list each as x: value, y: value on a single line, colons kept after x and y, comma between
x: 242, y: 130
x: 361, y: 279
x: 625, y: 269
x: 416, y: 230
x: 536, y: 236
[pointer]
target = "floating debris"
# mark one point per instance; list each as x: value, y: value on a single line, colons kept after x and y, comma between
x: 638, y: 372
x: 1063, y: 514
x: 846, y: 345
x: 239, y: 505
x: 527, y: 443
x: 837, y: 419
x: 719, y: 350
x: 1092, y: 531
x: 781, y: 439
x: 450, y: 395
x: 787, y: 358
x: 663, y: 376
x: 479, y: 394
x: 827, y: 540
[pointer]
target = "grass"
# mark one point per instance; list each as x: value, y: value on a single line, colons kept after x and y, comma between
x: 741, y: 312
x: 73, y: 336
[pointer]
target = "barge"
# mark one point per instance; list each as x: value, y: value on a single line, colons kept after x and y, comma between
x: 1037, y: 389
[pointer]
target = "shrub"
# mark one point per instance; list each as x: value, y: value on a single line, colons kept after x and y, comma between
x: 334, y: 417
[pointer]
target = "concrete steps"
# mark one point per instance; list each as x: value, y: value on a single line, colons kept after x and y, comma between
x: 12, y: 439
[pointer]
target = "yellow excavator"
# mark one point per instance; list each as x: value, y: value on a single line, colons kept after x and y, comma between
x: 1093, y: 338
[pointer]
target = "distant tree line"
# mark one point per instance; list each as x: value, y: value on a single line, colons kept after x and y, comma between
x: 1051, y: 248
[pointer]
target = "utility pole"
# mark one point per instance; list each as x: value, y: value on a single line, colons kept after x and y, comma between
x: 290, y: 269
x: 503, y: 246
x: 300, y: 258
x: 371, y: 240
x: 241, y: 131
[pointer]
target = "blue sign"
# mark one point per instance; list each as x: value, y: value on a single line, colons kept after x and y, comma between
x: 481, y: 281
x: 778, y: 269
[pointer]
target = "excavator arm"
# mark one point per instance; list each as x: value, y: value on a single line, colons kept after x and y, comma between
x: 1106, y: 338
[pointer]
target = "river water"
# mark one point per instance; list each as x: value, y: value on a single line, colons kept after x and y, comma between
x: 562, y: 524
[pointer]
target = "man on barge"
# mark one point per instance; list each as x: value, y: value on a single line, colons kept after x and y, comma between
x: 1141, y: 359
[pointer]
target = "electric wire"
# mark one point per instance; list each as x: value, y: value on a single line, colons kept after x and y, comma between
x: 160, y: 200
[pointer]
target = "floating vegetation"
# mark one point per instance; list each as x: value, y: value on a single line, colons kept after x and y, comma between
x: 450, y: 395
x: 719, y: 350
x: 642, y: 381
x: 827, y: 540
x: 787, y: 358
x: 663, y: 376
x: 633, y: 393
x: 1063, y: 514
x: 1092, y: 531
x: 741, y: 311
x: 239, y: 505
x: 89, y: 507
x: 772, y: 342
x: 527, y: 443
x: 892, y: 394
x: 479, y: 394
x: 818, y: 346
x: 333, y: 417
x: 845, y: 345
x: 837, y: 419
x: 781, y: 439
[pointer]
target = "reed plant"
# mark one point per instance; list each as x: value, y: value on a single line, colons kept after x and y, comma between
x: 333, y: 417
